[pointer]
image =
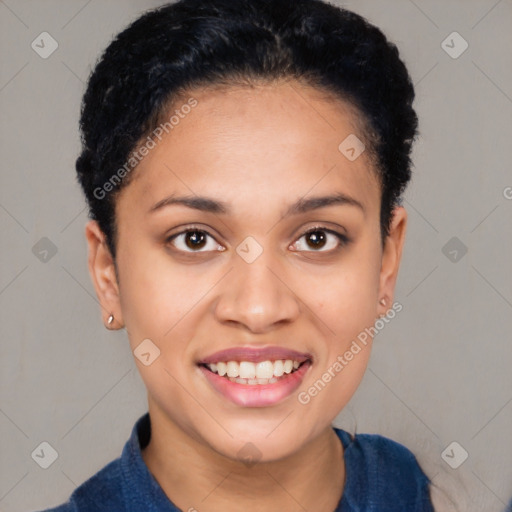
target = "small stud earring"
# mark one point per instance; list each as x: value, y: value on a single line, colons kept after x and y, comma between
x: 110, y: 319
x: 383, y: 302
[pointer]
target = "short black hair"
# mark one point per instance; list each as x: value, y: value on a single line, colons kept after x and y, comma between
x: 195, y: 43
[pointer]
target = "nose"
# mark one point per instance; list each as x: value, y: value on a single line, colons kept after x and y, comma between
x: 256, y: 296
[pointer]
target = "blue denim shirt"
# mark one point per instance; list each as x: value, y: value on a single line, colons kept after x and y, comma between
x: 381, y: 476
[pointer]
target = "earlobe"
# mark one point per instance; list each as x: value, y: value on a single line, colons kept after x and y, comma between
x: 392, y: 255
x: 103, y: 275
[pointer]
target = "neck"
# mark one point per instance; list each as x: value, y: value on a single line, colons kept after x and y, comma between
x: 196, y: 478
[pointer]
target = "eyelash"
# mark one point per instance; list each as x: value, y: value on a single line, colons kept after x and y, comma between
x: 343, y: 240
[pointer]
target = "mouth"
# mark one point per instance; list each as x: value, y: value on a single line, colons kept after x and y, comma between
x: 255, y: 378
x: 254, y: 374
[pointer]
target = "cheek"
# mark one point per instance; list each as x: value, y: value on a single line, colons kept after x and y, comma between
x: 159, y: 304
x: 346, y: 305
x: 346, y: 300
x: 155, y: 293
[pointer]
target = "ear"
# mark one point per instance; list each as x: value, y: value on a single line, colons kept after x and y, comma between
x: 103, y: 274
x: 391, y: 256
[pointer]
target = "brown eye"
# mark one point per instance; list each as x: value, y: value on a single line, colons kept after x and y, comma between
x: 320, y: 240
x: 316, y: 239
x: 194, y: 240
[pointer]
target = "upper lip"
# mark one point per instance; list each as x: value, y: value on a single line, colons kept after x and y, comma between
x: 256, y: 355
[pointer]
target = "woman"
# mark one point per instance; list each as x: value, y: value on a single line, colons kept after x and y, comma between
x: 243, y: 163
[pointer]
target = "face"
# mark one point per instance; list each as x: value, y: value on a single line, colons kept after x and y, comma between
x: 246, y: 230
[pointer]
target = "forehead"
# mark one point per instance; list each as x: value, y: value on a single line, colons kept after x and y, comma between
x: 259, y: 143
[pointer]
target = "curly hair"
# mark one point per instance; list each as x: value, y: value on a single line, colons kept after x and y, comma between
x: 199, y: 43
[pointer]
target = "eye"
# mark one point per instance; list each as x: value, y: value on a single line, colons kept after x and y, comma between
x: 320, y: 240
x: 195, y: 240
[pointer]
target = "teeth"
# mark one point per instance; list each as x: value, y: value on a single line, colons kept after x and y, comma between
x: 247, y: 370
x: 221, y: 368
x: 288, y: 366
x: 233, y: 369
x: 278, y: 368
x: 253, y: 382
x: 253, y: 373
x: 265, y: 370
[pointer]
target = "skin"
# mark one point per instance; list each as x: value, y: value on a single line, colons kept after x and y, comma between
x: 257, y: 150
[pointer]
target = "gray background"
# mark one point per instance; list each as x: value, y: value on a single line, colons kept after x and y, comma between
x: 440, y: 372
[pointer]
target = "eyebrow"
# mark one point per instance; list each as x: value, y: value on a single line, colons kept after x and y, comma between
x: 302, y: 205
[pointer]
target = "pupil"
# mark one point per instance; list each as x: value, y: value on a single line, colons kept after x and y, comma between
x: 317, y: 237
x: 195, y: 239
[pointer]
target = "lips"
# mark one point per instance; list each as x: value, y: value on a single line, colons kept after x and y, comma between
x: 256, y: 392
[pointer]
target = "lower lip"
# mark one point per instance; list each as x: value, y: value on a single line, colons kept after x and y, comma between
x: 257, y: 395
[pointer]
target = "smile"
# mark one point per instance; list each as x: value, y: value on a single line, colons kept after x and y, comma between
x: 251, y: 377
x: 249, y: 373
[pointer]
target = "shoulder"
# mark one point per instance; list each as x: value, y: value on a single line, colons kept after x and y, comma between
x: 399, y: 461
x: 385, y: 472
x: 100, y: 493
x: 124, y: 484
